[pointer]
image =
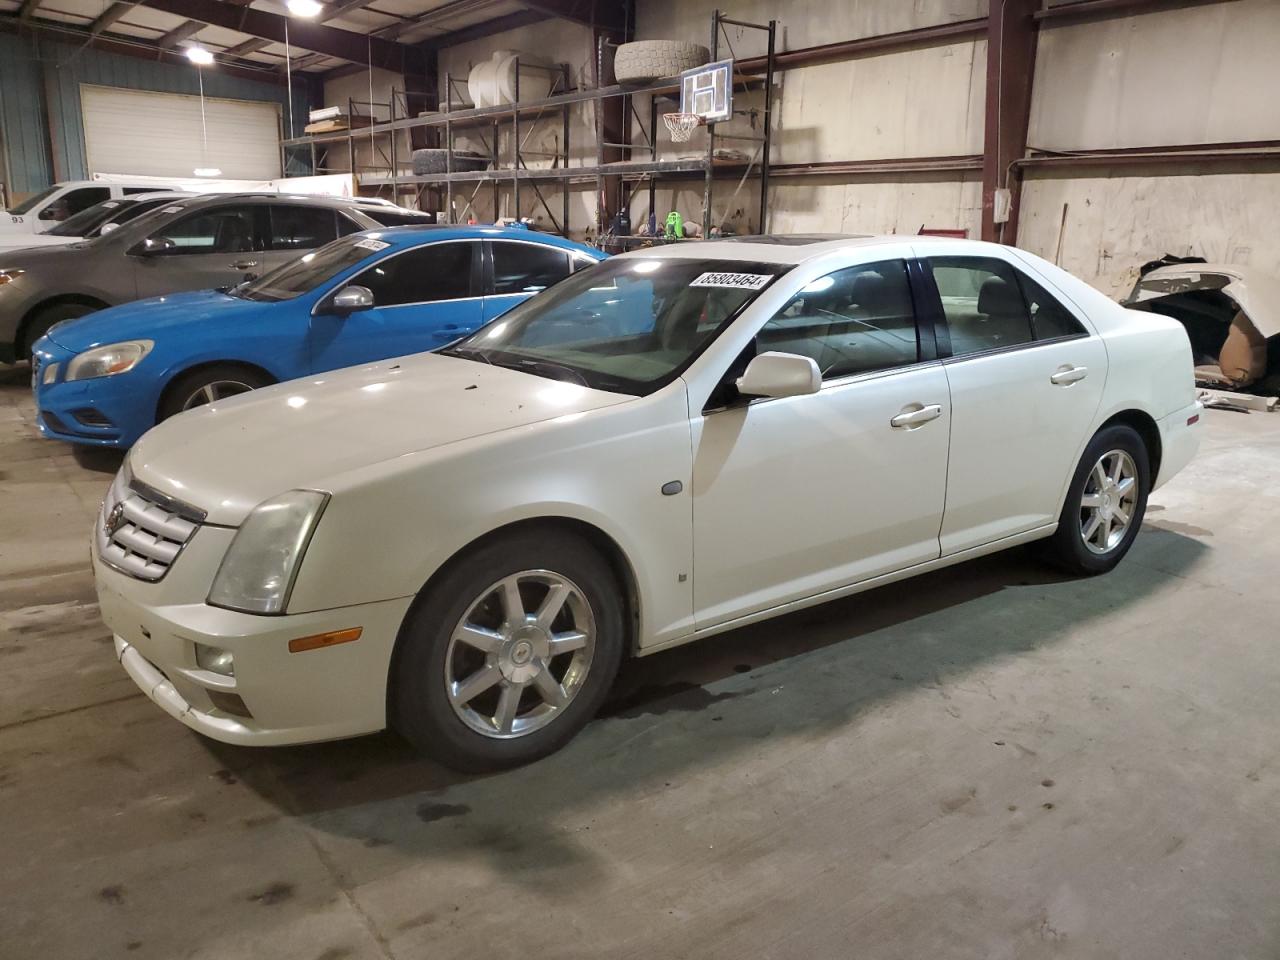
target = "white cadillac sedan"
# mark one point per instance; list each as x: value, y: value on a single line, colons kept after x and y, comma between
x: 464, y: 545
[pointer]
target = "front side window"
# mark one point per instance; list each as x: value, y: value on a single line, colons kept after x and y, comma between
x: 301, y: 228
x: 437, y: 271
x: 223, y: 230
x: 629, y: 325
x: 29, y: 204
x: 73, y: 201
x: 855, y: 320
x: 309, y: 271
x: 526, y: 267
x: 982, y: 304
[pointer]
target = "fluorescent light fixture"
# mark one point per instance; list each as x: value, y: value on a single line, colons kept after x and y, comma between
x: 207, y: 172
x: 304, y: 8
x: 199, y: 55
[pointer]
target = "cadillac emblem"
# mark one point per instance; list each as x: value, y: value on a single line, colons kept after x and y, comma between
x: 113, y: 521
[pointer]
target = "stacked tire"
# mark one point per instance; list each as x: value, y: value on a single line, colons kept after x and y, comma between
x: 648, y: 60
x: 436, y: 160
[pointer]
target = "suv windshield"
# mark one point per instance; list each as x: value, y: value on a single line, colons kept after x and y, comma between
x: 29, y: 204
x: 628, y: 325
x: 310, y: 270
x: 83, y: 223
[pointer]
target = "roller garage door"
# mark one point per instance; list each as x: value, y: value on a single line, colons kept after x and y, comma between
x: 158, y: 134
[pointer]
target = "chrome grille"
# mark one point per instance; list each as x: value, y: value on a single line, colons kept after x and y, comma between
x: 140, y: 532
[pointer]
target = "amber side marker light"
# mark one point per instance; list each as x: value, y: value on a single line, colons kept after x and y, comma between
x: 321, y: 640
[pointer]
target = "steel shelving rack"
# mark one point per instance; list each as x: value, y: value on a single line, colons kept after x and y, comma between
x: 513, y: 171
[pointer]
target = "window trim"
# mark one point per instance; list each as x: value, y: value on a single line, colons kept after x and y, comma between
x: 323, y: 303
x: 946, y: 354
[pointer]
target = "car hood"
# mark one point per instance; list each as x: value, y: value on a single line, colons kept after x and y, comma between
x: 29, y: 257
x: 21, y: 241
x: 227, y: 457
x: 150, y: 318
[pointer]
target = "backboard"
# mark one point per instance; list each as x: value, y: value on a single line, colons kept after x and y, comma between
x: 708, y: 91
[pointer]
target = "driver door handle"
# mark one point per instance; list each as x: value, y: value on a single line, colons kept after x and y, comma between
x: 914, y: 418
x: 244, y: 264
x: 1066, y: 376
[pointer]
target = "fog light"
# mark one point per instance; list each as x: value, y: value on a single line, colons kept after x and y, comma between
x: 50, y: 373
x: 215, y: 660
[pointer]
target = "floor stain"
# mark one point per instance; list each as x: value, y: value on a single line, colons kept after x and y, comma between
x: 113, y: 894
x: 431, y: 812
x: 659, y: 698
x: 275, y: 894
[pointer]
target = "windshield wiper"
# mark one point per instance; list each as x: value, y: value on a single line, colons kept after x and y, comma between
x: 530, y: 366
x: 465, y: 352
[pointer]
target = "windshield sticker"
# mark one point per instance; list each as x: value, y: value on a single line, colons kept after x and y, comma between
x: 171, y: 210
x: 374, y: 245
x: 111, y: 204
x: 736, y: 281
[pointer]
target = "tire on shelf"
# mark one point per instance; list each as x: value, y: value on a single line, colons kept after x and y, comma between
x: 646, y: 60
x: 431, y: 160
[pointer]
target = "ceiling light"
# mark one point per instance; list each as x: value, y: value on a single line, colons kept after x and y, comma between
x: 304, y: 8
x: 207, y: 172
x: 199, y: 56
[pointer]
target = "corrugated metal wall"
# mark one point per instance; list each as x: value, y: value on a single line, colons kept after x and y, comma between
x: 38, y: 77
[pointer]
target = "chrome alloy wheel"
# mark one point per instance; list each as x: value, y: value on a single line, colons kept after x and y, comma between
x: 217, y: 390
x: 1108, y: 501
x: 520, y: 654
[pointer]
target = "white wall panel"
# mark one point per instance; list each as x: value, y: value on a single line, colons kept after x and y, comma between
x: 159, y: 134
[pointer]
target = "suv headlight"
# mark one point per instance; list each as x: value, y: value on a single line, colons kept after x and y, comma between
x: 257, y: 574
x: 109, y: 360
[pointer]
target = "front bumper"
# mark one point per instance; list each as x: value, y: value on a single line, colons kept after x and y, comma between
x: 322, y: 694
x: 102, y: 412
x: 1179, y: 440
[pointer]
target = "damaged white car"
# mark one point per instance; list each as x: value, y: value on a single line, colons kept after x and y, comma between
x: 1231, y: 314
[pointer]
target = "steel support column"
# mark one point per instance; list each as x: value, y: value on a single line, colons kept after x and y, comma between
x: 1011, y: 54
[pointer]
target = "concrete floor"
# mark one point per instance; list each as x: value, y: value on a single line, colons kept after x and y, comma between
x: 989, y: 762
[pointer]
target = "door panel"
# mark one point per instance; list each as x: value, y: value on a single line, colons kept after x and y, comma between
x: 796, y: 496
x: 423, y: 300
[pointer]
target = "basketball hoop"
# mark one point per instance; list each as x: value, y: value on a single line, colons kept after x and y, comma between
x: 682, y: 125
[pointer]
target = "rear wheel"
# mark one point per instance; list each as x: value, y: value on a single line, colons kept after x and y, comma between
x: 1105, y: 503
x: 510, y: 654
x: 209, y: 385
x: 44, y: 319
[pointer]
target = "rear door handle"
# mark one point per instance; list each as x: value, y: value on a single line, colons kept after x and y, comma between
x: 1067, y: 375
x: 914, y: 418
x: 244, y: 264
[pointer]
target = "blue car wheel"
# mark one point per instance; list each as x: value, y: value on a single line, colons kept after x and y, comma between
x: 209, y: 384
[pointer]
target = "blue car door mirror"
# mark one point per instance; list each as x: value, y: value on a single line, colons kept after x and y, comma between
x: 352, y: 298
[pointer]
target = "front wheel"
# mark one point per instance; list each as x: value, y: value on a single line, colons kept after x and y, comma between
x: 510, y: 654
x: 1105, y: 503
x: 209, y: 385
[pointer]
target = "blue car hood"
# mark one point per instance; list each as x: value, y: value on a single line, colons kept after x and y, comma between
x: 149, y: 318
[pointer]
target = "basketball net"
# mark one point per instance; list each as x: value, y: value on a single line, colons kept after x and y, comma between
x: 682, y: 125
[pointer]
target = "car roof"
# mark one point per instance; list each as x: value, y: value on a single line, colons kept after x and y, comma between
x: 799, y: 247
x: 415, y: 233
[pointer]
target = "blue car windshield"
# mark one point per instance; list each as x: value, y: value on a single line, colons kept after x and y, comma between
x: 310, y: 270
x: 628, y: 325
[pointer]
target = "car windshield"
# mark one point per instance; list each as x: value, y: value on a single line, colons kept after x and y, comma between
x: 628, y: 325
x: 29, y: 204
x: 83, y: 223
x: 310, y: 270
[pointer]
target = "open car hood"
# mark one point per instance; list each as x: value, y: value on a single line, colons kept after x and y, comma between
x: 1255, y: 293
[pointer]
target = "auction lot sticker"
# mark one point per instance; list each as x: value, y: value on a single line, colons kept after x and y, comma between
x: 734, y: 281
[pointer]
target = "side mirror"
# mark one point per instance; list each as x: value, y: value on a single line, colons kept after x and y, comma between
x: 154, y: 247
x: 352, y: 298
x: 780, y: 375
x: 107, y: 228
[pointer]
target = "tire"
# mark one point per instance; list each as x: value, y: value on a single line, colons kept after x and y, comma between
x: 431, y: 160
x: 646, y: 60
x: 43, y: 321
x: 207, y: 384
x: 431, y: 669
x: 1087, y: 499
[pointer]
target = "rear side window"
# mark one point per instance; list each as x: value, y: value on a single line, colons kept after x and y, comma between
x: 982, y: 303
x: 855, y: 320
x: 129, y: 191
x: 301, y: 228
x: 437, y: 271
x: 527, y: 267
x: 390, y: 217
x: 1049, y: 318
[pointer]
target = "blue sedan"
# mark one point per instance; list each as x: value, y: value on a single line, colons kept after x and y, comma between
x: 105, y: 379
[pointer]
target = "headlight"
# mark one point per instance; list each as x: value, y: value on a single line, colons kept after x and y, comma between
x: 109, y: 360
x: 8, y: 276
x: 257, y: 574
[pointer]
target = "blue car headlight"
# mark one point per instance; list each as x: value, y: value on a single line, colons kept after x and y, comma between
x: 109, y: 360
